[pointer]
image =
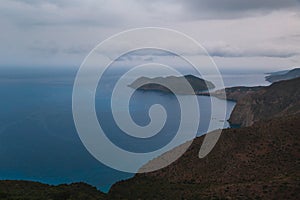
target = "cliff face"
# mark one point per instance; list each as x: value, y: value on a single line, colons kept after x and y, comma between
x: 261, y: 161
x: 279, y: 99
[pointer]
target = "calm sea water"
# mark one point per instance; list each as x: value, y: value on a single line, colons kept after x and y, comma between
x: 38, y: 139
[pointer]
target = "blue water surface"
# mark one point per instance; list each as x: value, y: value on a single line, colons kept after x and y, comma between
x: 38, y: 139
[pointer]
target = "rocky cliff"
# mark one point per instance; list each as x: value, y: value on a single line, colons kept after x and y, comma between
x: 280, y: 99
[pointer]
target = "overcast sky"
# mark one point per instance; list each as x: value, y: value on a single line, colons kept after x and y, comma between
x: 256, y: 34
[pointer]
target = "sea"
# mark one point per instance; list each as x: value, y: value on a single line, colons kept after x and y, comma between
x: 38, y: 138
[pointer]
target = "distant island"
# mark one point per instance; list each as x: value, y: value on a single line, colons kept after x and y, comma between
x: 283, y: 75
x: 147, y: 84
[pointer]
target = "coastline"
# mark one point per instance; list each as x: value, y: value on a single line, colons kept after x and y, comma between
x: 70, y: 181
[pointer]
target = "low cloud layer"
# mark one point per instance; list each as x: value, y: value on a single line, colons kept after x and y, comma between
x: 226, y: 50
x: 62, y: 32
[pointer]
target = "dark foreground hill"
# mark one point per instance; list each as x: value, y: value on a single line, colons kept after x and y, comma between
x: 28, y: 190
x: 257, y: 162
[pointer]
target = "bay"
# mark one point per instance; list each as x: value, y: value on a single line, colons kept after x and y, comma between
x: 38, y: 139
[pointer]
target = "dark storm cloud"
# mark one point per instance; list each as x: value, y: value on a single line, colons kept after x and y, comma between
x: 242, y: 5
x: 237, y: 8
x: 116, y: 13
x: 35, y: 13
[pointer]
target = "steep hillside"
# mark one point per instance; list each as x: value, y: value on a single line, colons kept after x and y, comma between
x: 261, y: 161
x: 280, y: 99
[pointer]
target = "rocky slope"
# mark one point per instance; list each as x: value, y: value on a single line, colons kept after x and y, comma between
x: 280, y: 99
x: 177, y: 83
x: 257, y: 162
